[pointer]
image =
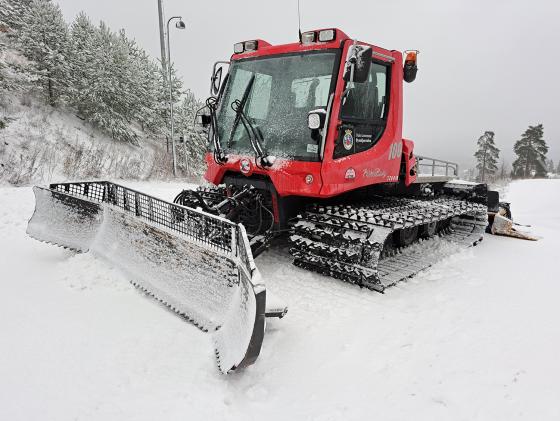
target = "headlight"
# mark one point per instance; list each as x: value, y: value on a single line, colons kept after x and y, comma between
x: 314, y: 121
x: 316, y: 118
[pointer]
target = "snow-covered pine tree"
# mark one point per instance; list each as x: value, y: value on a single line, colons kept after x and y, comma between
x: 16, y: 73
x: 43, y: 39
x: 146, y: 90
x: 125, y: 103
x: 531, y: 152
x: 107, y: 105
x: 140, y: 86
x: 4, y: 29
x: 123, y: 87
x: 6, y: 12
x: 486, y: 156
x: 12, y: 12
x: 160, y: 122
x: 81, y: 63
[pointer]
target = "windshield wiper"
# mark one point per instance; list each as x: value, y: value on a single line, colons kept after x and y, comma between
x: 239, y: 109
x: 255, y: 136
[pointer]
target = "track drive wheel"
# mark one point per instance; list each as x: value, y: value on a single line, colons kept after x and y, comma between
x: 406, y: 236
x: 429, y: 230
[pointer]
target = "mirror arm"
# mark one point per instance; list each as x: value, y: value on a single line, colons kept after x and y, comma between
x: 352, y: 60
x: 349, y: 84
x: 214, y: 73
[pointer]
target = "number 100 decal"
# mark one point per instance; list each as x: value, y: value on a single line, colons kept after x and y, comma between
x: 395, y: 150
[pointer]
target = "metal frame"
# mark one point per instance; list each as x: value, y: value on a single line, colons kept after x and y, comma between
x: 385, y: 56
x: 437, y: 163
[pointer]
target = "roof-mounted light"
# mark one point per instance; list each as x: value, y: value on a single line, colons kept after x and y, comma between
x: 411, y: 56
x: 238, y: 48
x: 324, y: 35
x: 327, y: 35
x: 251, y: 45
x: 410, y: 67
x: 308, y: 37
x: 244, y: 46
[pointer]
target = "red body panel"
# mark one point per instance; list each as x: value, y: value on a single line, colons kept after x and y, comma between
x: 378, y: 164
x: 409, y: 161
x: 288, y: 177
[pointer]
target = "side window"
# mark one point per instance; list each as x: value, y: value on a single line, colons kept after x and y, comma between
x: 364, y: 114
x: 367, y: 100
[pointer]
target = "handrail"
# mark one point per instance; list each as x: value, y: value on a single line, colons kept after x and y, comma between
x: 434, y: 163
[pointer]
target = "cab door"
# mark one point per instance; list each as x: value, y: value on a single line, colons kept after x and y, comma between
x: 366, y: 138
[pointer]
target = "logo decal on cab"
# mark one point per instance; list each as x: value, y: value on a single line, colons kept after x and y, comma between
x: 348, y: 139
x: 350, y: 174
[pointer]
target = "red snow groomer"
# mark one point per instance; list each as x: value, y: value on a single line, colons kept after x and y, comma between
x: 305, y: 142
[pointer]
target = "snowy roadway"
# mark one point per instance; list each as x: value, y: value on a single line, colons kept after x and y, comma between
x: 476, y: 337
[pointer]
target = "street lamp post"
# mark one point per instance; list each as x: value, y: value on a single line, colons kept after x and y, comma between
x: 178, y: 25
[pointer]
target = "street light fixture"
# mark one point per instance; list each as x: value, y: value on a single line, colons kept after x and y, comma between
x: 179, y: 25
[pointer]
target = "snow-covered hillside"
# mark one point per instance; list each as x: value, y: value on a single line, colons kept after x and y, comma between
x: 475, y: 337
x: 40, y: 144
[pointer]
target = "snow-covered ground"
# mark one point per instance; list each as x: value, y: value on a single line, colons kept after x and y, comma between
x: 476, y: 337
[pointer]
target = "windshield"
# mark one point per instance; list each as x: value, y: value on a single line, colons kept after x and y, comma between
x: 285, y: 88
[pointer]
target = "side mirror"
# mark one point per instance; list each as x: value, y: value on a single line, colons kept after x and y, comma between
x: 216, y: 81
x: 358, y: 64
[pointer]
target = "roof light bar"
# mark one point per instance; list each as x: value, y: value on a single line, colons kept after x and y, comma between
x: 244, y: 46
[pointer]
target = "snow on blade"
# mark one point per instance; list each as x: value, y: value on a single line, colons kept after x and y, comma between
x: 246, y: 320
x: 161, y: 247
x: 52, y: 223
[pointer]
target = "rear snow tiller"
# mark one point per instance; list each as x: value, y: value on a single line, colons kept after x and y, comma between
x: 197, y: 264
x: 304, y: 141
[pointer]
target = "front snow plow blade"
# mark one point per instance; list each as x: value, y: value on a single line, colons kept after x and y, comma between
x: 198, y: 264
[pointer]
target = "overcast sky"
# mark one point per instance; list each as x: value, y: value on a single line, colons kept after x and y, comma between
x: 483, y: 65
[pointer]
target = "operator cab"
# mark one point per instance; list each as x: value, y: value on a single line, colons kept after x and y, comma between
x: 315, y: 118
